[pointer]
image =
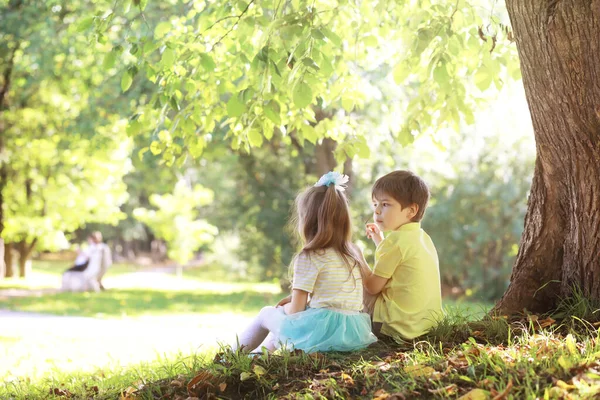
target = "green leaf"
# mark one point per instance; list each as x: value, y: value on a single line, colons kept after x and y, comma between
x: 207, y: 62
x: 142, y: 151
x: 126, y: 81
x: 400, y: 73
x: 370, y: 41
x: 196, y: 146
x: 150, y: 46
x: 515, y: 71
x: 441, y: 76
x: 335, y: 39
x: 255, y: 138
x: 348, y: 104
x: 317, y: 34
x: 162, y: 29
x: 235, y: 107
x: 109, y: 60
x: 405, y: 137
x: 309, y: 62
x: 174, y: 104
x: 363, y: 149
x: 272, y: 111
x: 310, y: 134
x: 424, y: 37
x: 143, y: 4
x: 85, y: 24
x: 302, y: 95
x: 155, y: 147
x: 483, y: 78
x: 168, y: 58
x: 133, y: 128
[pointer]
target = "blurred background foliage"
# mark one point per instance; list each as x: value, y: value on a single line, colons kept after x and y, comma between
x: 108, y: 123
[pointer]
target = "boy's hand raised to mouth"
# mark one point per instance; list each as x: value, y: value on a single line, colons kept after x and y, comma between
x: 374, y: 233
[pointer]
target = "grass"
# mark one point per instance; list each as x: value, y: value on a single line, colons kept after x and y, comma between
x: 140, y: 302
x: 143, y: 317
x: 527, y: 362
x: 536, y: 358
x: 152, y: 294
x: 469, y: 353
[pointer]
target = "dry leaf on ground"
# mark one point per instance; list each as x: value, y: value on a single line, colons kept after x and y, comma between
x: 475, y: 394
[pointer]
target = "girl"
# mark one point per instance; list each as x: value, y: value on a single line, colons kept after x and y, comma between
x: 324, y: 310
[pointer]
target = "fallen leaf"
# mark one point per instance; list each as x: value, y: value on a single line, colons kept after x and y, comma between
x: 396, y: 396
x: 475, y: 394
x: 418, y: 370
x: 201, y: 384
x: 544, y: 323
x: 571, y: 344
x: 128, y: 394
x: 564, y: 385
x: 381, y: 394
x: 259, y: 371
x: 532, y: 318
x: 347, y: 379
x: 60, y: 392
x: 445, y: 391
x: 244, y: 376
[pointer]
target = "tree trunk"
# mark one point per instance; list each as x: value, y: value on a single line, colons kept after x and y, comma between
x: 25, y: 251
x: 559, y: 48
x: 8, y: 261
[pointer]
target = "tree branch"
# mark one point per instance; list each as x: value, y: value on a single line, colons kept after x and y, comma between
x: 239, y: 17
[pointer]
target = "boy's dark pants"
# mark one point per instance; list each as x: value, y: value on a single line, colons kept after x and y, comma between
x: 369, y: 307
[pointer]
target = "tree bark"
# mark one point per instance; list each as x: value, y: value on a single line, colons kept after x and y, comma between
x: 25, y: 251
x: 559, y: 49
x: 8, y: 261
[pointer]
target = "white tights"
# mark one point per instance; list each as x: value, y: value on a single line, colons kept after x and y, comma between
x: 267, y: 323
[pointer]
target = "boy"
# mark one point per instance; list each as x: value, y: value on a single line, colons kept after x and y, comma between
x: 406, y: 277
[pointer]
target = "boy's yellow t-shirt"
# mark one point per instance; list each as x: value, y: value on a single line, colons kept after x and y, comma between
x: 411, y: 300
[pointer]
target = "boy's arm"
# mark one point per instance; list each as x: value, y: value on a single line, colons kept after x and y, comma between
x: 389, y: 258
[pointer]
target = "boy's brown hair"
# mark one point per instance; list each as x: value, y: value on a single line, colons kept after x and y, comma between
x: 406, y: 188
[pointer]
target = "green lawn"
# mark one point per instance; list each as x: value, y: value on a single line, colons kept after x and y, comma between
x: 157, y: 294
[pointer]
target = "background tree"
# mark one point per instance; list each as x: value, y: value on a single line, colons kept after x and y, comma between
x: 61, y: 141
x: 175, y: 220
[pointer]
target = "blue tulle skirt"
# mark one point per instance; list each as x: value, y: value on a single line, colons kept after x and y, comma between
x: 324, y: 329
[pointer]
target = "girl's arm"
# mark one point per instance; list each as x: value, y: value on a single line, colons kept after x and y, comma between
x: 373, y: 284
x: 284, y: 301
x: 298, y: 303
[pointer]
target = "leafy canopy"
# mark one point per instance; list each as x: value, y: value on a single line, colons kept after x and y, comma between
x: 252, y: 68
